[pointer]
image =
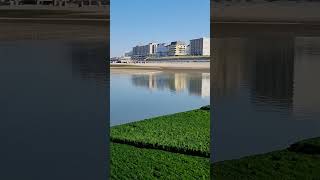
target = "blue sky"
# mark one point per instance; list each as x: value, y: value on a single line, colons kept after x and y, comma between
x: 136, y: 22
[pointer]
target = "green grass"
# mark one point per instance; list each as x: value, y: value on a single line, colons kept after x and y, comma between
x: 129, y: 162
x: 205, y: 107
x: 309, y: 146
x: 287, y: 164
x: 186, y: 132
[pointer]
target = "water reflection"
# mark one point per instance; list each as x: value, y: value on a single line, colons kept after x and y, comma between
x: 268, y: 83
x: 53, y: 104
x: 197, y: 84
x: 87, y: 61
x: 150, y: 94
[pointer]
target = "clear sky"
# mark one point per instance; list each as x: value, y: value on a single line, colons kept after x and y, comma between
x: 135, y: 22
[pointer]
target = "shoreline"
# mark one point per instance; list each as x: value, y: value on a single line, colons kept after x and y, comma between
x: 264, y: 22
x: 51, y: 19
x: 161, y: 143
x: 292, y: 162
x: 164, y: 66
x: 44, y: 13
x: 295, y: 162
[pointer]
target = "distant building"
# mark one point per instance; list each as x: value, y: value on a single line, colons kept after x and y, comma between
x: 177, y: 48
x: 188, y: 50
x: 162, y: 50
x: 141, y: 52
x: 128, y: 54
x: 69, y: 3
x: 200, y: 47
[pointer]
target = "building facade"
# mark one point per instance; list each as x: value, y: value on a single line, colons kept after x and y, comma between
x: 188, y: 50
x: 200, y: 47
x: 141, y: 52
x: 177, y: 48
x: 162, y: 50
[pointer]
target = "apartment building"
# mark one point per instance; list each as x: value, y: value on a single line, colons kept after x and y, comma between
x: 200, y: 47
x: 177, y: 48
x: 162, y: 50
x: 140, y: 52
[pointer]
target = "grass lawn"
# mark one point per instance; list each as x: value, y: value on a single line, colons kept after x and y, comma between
x: 129, y: 162
x: 301, y: 161
x: 186, y: 132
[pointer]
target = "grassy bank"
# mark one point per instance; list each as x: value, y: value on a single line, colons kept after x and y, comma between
x: 186, y: 132
x: 129, y: 162
x: 166, y: 147
x: 301, y: 161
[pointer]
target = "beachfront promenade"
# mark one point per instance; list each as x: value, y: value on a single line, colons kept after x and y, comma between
x: 170, y: 62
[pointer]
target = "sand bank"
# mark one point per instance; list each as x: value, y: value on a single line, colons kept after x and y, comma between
x: 204, y: 66
x: 133, y: 71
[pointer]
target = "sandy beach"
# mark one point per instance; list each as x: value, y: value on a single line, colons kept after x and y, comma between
x: 133, y: 71
x: 190, y: 66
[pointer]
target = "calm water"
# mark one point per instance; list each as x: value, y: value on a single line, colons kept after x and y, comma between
x: 265, y: 92
x: 136, y: 96
x: 53, y: 102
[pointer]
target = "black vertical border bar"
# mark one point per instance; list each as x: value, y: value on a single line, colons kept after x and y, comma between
x: 107, y: 125
x: 211, y: 91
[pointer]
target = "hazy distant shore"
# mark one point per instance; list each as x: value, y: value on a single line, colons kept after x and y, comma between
x: 262, y: 12
x: 28, y: 12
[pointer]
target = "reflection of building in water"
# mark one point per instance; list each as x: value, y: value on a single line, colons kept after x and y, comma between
x: 205, y: 88
x: 272, y: 61
x: 227, y: 65
x: 180, y: 81
x: 306, y: 84
x: 88, y: 60
x: 278, y: 71
x: 195, y: 83
x: 152, y: 81
x: 262, y: 65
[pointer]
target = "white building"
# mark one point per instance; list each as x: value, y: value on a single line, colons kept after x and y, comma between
x: 200, y: 47
x: 177, y: 48
x: 188, y: 50
x: 141, y: 52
